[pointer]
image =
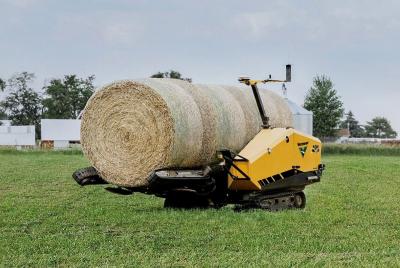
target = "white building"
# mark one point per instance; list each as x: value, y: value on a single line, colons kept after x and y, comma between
x: 60, y: 133
x: 302, y: 119
x: 17, y: 135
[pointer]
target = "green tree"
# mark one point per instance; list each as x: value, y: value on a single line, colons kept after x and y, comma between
x: 171, y: 74
x: 326, y: 105
x: 22, y: 104
x: 353, y: 125
x: 65, y: 98
x: 3, y: 114
x: 2, y: 84
x: 379, y: 127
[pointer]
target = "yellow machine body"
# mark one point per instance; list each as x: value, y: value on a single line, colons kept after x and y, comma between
x: 270, y: 155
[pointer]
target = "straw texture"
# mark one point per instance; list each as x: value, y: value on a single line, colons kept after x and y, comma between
x: 131, y: 128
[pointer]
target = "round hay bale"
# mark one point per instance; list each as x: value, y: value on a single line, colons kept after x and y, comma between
x: 131, y: 128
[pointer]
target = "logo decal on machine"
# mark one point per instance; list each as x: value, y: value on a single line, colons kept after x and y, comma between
x: 303, y: 148
x: 315, y: 148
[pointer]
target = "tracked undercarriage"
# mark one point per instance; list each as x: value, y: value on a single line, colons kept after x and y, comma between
x: 207, y: 188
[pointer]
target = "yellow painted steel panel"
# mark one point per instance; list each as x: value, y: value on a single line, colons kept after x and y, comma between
x: 272, y: 152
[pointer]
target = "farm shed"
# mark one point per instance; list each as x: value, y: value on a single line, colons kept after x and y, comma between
x: 60, y: 133
x: 17, y: 135
x: 302, y: 118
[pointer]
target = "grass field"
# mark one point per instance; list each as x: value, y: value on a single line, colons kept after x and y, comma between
x: 352, y: 218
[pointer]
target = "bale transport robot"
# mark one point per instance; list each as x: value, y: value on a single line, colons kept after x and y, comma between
x: 269, y: 173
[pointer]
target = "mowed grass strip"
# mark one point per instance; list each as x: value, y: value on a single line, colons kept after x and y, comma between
x: 361, y: 149
x: 352, y: 218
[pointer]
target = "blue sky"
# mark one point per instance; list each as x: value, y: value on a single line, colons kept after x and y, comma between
x: 356, y: 43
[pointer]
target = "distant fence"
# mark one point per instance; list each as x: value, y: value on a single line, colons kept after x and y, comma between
x: 17, y: 136
x: 391, y: 142
x: 360, y: 149
x: 345, y: 140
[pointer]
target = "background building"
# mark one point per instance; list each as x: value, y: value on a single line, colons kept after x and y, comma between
x: 302, y: 119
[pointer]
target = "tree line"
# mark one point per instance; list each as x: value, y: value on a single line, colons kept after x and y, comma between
x: 328, y: 112
x: 65, y: 98
x: 62, y: 98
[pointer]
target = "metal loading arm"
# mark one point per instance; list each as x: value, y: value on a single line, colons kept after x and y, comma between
x: 260, y: 105
x: 256, y: 93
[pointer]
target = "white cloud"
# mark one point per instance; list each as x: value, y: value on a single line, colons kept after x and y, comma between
x: 365, y: 20
x: 22, y: 3
x: 111, y: 27
x: 258, y: 23
x: 120, y: 32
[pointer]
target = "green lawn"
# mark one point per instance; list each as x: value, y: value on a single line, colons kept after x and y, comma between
x: 352, y: 218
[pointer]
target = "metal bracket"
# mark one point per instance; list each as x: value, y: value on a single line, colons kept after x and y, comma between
x: 227, y: 155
